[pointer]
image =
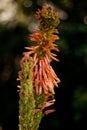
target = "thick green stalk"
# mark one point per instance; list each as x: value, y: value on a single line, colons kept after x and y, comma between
x: 29, y: 114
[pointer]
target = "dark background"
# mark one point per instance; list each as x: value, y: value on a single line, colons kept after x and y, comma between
x: 71, y: 96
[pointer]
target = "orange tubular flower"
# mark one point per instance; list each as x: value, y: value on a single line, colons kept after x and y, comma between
x: 44, y: 77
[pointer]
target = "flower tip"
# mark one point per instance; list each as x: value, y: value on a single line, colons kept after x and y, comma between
x: 17, y: 79
x: 49, y: 111
x: 18, y: 86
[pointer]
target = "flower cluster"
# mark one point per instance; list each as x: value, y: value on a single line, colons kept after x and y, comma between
x: 44, y: 77
x: 47, y: 17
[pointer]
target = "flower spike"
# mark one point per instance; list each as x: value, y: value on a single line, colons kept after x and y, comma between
x: 37, y: 77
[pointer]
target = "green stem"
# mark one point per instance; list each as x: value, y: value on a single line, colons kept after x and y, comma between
x: 29, y: 114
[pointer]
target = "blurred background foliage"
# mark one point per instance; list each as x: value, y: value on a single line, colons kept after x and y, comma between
x: 17, y: 21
